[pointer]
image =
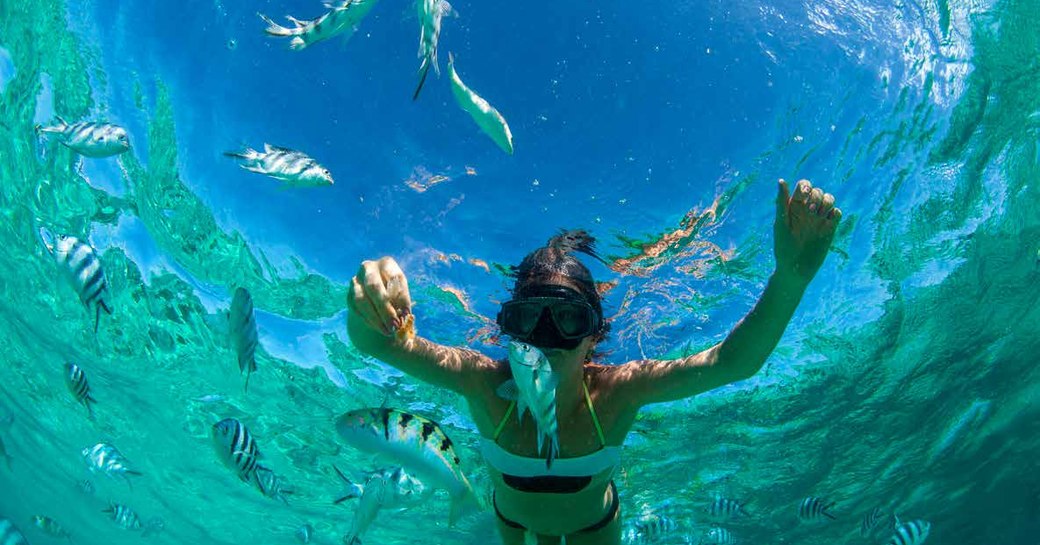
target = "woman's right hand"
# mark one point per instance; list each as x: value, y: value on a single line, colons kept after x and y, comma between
x: 379, y: 295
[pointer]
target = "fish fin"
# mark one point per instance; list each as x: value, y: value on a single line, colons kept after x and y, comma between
x: 97, y: 318
x: 530, y: 538
x: 461, y: 505
x: 553, y: 382
x: 275, y: 29
x: 508, y: 390
x: 354, y: 540
x: 255, y: 169
x: 826, y: 514
x: 521, y: 409
x: 340, y: 5
x: 268, y: 148
x: 61, y: 120
x: 296, y: 21
x: 424, y: 69
x: 354, y: 490
x: 104, y: 306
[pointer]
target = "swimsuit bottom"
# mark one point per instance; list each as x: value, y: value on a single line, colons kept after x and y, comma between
x: 612, y: 513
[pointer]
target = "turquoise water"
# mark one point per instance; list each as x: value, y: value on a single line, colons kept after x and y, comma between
x: 906, y: 381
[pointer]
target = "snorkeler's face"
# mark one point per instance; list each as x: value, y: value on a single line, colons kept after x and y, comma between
x: 549, y: 316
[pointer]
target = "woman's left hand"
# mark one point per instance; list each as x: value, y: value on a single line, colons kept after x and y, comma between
x: 803, y: 231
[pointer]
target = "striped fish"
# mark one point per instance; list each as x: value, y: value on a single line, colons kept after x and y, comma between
x: 104, y: 458
x: 533, y: 387
x: 343, y: 16
x: 813, y: 508
x: 272, y: 485
x: 82, y: 268
x: 724, y: 508
x: 242, y: 322
x: 414, y: 442
x: 125, y: 517
x: 652, y: 527
x: 483, y: 113
x: 77, y: 383
x: 294, y: 168
x: 10, y: 535
x: 910, y: 533
x: 718, y: 535
x: 50, y: 527
x: 431, y: 12
x: 237, y: 448
x: 89, y: 138
x: 871, y: 521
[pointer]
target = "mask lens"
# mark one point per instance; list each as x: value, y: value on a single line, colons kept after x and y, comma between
x: 572, y: 319
x: 520, y: 317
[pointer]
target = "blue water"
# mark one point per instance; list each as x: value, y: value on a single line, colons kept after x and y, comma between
x: 905, y: 381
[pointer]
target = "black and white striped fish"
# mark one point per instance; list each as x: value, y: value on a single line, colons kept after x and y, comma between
x: 237, y: 448
x: 76, y: 380
x: 50, y: 527
x: 649, y: 528
x: 813, y: 508
x: 106, y: 459
x: 81, y: 266
x: 724, y: 508
x: 89, y: 138
x: 414, y: 442
x: 871, y: 521
x: 125, y: 517
x: 431, y: 12
x: 910, y: 533
x: 343, y: 16
x: 718, y: 535
x: 294, y: 168
x: 10, y: 535
x: 272, y: 485
x: 242, y: 323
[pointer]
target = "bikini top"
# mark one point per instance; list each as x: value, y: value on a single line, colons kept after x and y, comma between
x: 567, y: 475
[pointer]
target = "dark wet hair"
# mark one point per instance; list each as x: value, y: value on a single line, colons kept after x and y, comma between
x: 556, y: 259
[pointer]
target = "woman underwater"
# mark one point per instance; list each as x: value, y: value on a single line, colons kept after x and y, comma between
x: 556, y: 308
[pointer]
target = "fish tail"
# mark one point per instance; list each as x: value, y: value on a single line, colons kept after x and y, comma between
x: 424, y: 69
x: 297, y: 43
x: 247, y: 154
x: 826, y: 514
x: 353, y: 489
x: 249, y: 374
x: 275, y: 29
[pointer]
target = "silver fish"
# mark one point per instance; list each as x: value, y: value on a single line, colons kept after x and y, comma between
x: 343, y: 16
x: 242, y: 322
x: 871, y: 521
x: 89, y: 138
x: 533, y: 387
x: 272, y: 485
x: 483, y: 113
x: 304, y: 533
x: 813, y: 508
x: 724, y: 508
x: 418, y: 444
x: 386, y: 488
x: 910, y: 533
x: 10, y: 535
x: 718, y: 535
x: 81, y: 266
x: 236, y: 448
x: 294, y: 168
x: 104, y: 458
x: 50, y: 527
x: 125, y: 517
x: 77, y: 383
x: 431, y: 12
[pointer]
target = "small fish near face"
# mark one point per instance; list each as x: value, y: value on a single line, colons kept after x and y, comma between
x: 414, y: 442
x: 484, y: 114
x: 89, y: 138
x: 813, y: 508
x: 533, y: 387
x: 123, y: 516
x: 106, y: 459
x: 914, y: 532
x: 236, y: 448
x: 431, y: 12
x: 343, y: 16
x: 242, y: 323
x: 77, y: 383
x: 81, y: 266
x: 294, y: 168
x: 10, y: 535
x: 50, y: 527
